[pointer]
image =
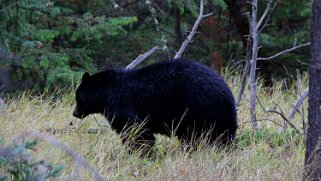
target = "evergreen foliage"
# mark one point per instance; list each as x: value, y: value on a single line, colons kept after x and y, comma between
x: 16, y: 163
x: 53, y: 42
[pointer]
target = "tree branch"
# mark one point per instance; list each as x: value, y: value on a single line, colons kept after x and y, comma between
x: 141, y: 58
x: 279, y: 113
x: 192, y: 33
x: 245, y: 74
x: 9, y: 6
x: 261, y: 27
x: 284, y: 118
x: 283, y: 52
x: 266, y: 12
x: 297, y: 104
x: 31, y: 8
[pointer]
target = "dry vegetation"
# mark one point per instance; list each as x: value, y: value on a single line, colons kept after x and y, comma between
x: 265, y: 155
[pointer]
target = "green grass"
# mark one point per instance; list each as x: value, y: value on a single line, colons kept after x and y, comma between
x: 263, y: 155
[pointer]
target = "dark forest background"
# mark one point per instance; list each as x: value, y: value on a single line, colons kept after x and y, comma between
x: 45, y: 44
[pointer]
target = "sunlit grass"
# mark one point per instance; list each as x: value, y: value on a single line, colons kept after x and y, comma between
x: 265, y: 155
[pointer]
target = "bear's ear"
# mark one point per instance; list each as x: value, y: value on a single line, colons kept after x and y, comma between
x: 85, y: 77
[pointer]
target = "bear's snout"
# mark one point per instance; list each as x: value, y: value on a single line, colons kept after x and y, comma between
x: 77, y: 113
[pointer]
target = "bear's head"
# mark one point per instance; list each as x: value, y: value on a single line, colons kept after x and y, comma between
x: 82, y: 108
x: 92, y: 93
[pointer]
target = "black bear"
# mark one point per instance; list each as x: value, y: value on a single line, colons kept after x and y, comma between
x: 180, y: 96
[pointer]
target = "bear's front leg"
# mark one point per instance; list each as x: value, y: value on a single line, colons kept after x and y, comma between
x: 133, y: 131
x: 143, y: 141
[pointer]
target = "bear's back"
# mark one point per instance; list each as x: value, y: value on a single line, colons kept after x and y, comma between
x: 164, y: 91
x: 184, y: 75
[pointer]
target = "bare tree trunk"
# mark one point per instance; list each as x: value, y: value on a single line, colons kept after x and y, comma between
x: 255, y: 42
x: 313, y: 144
x: 251, y: 58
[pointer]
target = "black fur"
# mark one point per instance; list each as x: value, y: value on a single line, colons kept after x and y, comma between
x: 162, y: 93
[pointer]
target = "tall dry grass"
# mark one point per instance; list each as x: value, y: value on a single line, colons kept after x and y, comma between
x: 263, y: 155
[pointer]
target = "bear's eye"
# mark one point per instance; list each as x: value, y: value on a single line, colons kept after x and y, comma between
x: 80, y: 97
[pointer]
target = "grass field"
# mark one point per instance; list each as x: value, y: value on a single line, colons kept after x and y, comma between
x: 263, y: 155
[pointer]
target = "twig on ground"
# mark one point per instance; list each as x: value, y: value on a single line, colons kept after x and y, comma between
x: 74, y: 130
